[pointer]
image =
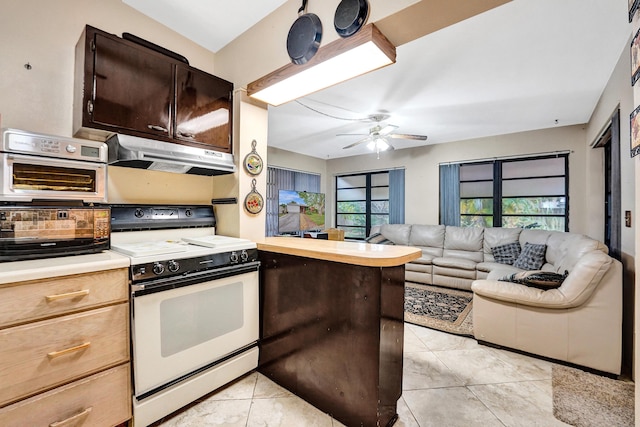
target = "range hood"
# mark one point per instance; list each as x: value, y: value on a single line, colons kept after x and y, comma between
x: 141, y: 153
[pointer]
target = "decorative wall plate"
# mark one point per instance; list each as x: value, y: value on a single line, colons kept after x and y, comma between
x: 252, y: 161
x: 254, y: 202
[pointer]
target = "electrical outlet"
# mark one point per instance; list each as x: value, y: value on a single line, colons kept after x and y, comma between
x: 627, y: 218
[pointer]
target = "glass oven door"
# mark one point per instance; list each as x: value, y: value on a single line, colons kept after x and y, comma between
x: 180, y: 330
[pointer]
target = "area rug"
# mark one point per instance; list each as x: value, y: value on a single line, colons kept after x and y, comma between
x: 582, y: 399
x: 444, y: 309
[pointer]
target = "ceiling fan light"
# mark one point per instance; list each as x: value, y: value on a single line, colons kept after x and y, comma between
x: 381, y: 144
x: 337, y: 62
x: 371, y: 145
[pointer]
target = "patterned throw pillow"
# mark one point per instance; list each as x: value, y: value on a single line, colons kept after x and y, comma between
x: 506, y: 254
x: 378, y: 239
x: 537, y: 279
x: 531, y: 257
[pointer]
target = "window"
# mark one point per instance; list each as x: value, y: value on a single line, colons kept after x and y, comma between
x: 527, y: 193
x: 362, y: 201
x: 476, y: 195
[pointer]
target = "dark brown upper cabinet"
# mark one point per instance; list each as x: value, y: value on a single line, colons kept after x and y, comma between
x: 124, y: 87
x: 203, y: 107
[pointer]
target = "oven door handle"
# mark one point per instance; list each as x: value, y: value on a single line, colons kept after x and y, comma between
x: 174, y: 282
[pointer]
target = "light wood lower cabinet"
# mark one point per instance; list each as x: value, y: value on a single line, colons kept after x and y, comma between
x: 64, y: 352
x: 101, y: 399
x: 49, y: 353
x: 27, y: 301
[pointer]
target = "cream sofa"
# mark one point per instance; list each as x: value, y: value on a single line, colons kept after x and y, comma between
x: 579, y: 322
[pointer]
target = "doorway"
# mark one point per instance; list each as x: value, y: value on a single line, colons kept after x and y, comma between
x: 609, y: 141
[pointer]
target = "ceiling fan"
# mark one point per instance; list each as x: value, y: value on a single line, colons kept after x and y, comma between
x: 378, y: 137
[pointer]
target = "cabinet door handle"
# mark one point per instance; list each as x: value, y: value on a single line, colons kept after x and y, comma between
x: 73, y: 419
x: 67, y: 295
x: 158, y: 128
x: 186, y: 135
x: 59, y: 353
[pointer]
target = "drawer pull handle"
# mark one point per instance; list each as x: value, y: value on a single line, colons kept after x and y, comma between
x: 55, y: 354
x: 73, y: 419
x: 68, y: 295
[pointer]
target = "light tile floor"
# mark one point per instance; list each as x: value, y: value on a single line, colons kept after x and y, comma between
x: 448, y: 381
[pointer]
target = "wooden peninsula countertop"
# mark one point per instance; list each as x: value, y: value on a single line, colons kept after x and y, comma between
x: 356, y: 253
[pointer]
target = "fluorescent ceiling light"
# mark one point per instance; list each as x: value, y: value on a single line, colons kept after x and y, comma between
x: 341, y: 60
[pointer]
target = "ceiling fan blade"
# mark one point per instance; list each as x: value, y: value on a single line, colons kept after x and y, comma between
x: 361, y: 141
x: 387, y: 129
x: 407, y: 136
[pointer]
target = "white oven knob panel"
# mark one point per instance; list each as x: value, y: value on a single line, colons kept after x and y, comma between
x: 157, y: 269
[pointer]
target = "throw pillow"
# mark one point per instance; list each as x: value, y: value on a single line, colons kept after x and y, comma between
x: 531, y: 257
x: 537, y: 279
x: 506, y: 254
x: 378, y: 239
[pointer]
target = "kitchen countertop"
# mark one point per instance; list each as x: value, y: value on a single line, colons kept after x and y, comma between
x: 357, y: 253
x: 20, y: 271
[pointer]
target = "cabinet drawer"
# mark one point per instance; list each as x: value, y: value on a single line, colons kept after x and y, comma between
x: 45, y: 354
x: 34, y: 300
x: 103, y: 399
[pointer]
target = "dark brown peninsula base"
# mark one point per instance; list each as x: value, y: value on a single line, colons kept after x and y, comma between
x: 332, y: 333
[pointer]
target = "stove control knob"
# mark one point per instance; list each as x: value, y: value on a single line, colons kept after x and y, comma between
x: 233, y: 257
x: 173, y: 266
x: 139, y: 213
x: 158, y: 268
x: 244, y: 256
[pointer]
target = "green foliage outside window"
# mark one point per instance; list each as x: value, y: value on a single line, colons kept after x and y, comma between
x: 546, y: 213
x: 351, y: 216
x: 476, y: 206
x: 476, y: 221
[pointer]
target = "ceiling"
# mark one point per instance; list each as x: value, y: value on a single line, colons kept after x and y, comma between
x: 210, y: 23
x: 526, y: 65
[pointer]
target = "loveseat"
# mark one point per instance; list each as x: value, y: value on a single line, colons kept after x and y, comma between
x: 579, y: 322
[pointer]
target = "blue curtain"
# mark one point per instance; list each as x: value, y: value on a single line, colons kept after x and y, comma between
x: 450, y: 194
x: 284, y: 179
x: 396, y: 196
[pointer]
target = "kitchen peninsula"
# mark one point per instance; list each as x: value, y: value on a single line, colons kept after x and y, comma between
x: 332, y: 324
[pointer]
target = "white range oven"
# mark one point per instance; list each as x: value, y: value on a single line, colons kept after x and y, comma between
x: 194, y: 305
